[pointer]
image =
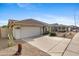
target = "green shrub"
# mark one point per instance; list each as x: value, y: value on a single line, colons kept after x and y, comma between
x: 52, y: 34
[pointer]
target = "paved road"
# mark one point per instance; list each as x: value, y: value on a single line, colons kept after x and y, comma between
x: 52, y: 45
x: 73, y: 48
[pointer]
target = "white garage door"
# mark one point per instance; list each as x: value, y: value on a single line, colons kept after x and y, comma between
x: 29, y: 31
x: 25, y: 32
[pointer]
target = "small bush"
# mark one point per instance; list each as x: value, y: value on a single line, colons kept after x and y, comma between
x: 52, y: 34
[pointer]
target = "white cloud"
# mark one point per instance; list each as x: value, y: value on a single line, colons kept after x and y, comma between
x: 46, y: 17
x: 28, y: 6
x: 62, y: 19
x: 55, y: 19
x: 23, y: 4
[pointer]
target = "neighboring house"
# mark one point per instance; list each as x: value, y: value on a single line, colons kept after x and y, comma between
x: 63, y: 28
x: 58, y: 28
x: 74, y: 28
x: 27, y: 28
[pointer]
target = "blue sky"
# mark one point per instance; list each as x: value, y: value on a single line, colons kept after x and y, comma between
x: 62, y: 13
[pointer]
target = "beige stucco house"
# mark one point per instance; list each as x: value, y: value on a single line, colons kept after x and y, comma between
x: 27, y: 28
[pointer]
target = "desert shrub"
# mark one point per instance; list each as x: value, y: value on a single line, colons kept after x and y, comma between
x: 52, y: 34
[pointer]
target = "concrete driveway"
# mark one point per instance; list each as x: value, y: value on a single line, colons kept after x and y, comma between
x: 52, y: 45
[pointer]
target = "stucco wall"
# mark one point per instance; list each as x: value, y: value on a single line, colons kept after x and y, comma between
x: 4, y: 32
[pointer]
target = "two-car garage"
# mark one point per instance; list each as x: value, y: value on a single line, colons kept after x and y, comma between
x: 24, y: 32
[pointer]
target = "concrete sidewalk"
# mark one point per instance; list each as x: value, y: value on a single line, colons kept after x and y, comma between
x: 73, y: 48
x: 52, y: 45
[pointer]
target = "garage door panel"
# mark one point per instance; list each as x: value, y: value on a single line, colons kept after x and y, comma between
x: 30, y: 31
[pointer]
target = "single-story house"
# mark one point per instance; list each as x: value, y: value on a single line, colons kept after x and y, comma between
x: 74, y: 28
x: 58, y: 27
x: 27, y: 28
x: 63, y: 28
